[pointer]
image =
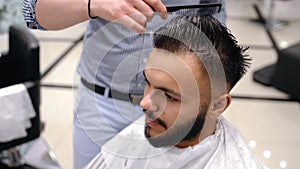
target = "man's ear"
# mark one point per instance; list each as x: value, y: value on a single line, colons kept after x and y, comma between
x: 216, y: 109
x: 221, y: 104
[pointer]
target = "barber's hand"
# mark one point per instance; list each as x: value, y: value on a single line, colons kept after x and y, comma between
x: 133, y: 14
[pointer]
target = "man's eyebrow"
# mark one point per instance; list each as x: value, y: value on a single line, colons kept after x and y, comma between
x: 169, y: 91
x: 163, y: 88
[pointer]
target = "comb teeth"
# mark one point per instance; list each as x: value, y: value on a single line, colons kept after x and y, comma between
x: 205, y: 7
x: 195, y: 11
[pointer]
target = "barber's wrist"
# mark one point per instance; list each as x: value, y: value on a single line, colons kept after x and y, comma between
x: 90, y: 13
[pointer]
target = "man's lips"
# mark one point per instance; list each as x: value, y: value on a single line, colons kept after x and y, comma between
x: 151, y: 123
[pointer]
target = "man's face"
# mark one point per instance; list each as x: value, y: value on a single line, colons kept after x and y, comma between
x: 174, y: 111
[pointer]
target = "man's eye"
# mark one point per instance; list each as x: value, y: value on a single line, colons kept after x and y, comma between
x: 147, y: 82
x: 169, y: 97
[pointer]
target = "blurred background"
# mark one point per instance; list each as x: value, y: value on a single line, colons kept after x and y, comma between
x: 268, y: 116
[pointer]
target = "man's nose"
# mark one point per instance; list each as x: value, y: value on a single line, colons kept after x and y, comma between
x: 146, y: 103
x: 154, y: 101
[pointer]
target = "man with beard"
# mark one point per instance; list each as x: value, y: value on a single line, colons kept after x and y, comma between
x: 189, y: 74
x: 113, y: 54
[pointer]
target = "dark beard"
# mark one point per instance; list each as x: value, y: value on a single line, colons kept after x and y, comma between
x: 172, y: 136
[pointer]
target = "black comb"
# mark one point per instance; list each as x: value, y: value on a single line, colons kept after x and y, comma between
x: 197, y: 6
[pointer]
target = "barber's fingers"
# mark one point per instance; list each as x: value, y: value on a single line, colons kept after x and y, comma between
x: 132, y: 24
x: 131, y: 13
x: 158, y: 6
x: 135, y: 20
x: 138, y: 16
x: 141, y: 7
x: 142, y: 12
x: 144, y: 8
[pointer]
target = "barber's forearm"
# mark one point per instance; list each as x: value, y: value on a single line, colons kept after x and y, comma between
x: 60, y: 14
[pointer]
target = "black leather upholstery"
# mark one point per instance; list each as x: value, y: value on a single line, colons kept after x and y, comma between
x: 21, y: 64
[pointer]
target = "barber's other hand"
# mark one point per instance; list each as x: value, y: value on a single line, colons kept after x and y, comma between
x: 133, y: 14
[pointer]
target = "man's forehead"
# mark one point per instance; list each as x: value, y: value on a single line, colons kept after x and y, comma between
x: 160, y: 58
x: 173, y: 63
x: 175, y: 67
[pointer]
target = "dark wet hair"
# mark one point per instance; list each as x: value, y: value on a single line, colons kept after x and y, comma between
x: 205, y: 36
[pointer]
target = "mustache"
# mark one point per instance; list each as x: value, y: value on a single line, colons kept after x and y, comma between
x: 152, y: 117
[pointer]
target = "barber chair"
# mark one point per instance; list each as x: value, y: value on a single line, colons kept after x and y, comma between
x: 284, y: 74
x: 21, y: 65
